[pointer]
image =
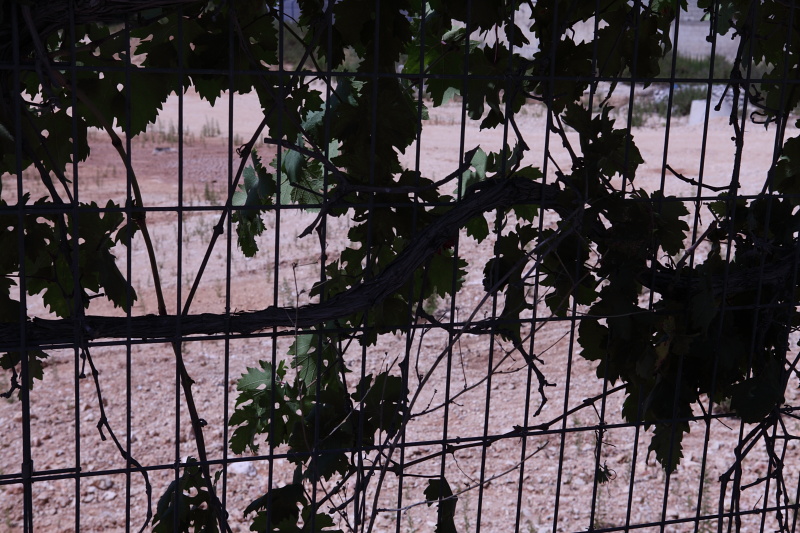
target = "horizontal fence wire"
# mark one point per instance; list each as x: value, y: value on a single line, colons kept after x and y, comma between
x: 526, y: 274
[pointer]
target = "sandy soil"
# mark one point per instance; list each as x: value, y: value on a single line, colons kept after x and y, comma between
x: 554, y: 483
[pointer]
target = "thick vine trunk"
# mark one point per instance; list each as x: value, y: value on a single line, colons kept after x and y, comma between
x: 488, y: 196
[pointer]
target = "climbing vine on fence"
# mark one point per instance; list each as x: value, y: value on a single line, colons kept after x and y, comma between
x: 673, y: 328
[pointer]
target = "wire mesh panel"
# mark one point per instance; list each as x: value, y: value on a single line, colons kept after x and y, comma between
x: 362, y: 265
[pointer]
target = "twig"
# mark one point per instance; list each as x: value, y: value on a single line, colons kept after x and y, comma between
x: 543, y: 248
x: 696, y: 183
x: 103, y: 422
x: 690, y: 250
x: 475, y: 485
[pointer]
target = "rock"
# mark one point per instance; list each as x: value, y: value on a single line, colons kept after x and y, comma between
x: 109, y: 495
x: 104, y: 483
x: 242, y: 468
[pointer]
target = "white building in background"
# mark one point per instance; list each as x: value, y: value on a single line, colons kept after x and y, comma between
x: 693, y: 32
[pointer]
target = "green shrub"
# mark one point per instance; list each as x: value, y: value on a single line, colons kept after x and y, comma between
x: 682, y: 100
x: 691, y: 67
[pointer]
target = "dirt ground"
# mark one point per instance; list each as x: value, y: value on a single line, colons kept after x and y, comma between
x: 533, y: 483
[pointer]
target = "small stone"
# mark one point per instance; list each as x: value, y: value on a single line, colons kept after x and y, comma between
x: 244, y: 468
x: 109, y: 495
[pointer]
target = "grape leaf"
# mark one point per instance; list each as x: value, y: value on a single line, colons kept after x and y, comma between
x: 439, y: 491
x: 756, y: 397
x: 10, y: 360
x: 266, y: 404
x: 667, y: 443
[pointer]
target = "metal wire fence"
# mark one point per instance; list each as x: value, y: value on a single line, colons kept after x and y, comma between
x: 412, y: 347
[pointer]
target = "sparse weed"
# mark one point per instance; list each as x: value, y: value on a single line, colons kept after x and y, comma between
x: 210, y: 194
x: 431, y: 304
x: 210, y: 128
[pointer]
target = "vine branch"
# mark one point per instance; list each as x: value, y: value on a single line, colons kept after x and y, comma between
x: 485, y: 196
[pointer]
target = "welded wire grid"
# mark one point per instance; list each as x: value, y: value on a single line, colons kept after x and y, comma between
x: 76, y: 446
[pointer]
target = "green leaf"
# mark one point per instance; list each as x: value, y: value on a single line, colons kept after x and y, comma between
x: 443, y: 60
x: 383, y: 402
x: 304, y: 350
x: 11, y: 360
x: 478, y: 160
x: 670, y: 230
x: 703, y: 308
x: 443, y: 278
x: 787, y: 169
x: 265, y: 405
x: 756, y: 397
x: 259, y: 380
x: 293, y: 163
x: 667, y: 443
x: 439, y: 491
x: 280, y: 505
x: 257, y: 191
x: 565, y: 273
x: 322, y: 522
x: 478, y: 228
x: 186, y: 503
